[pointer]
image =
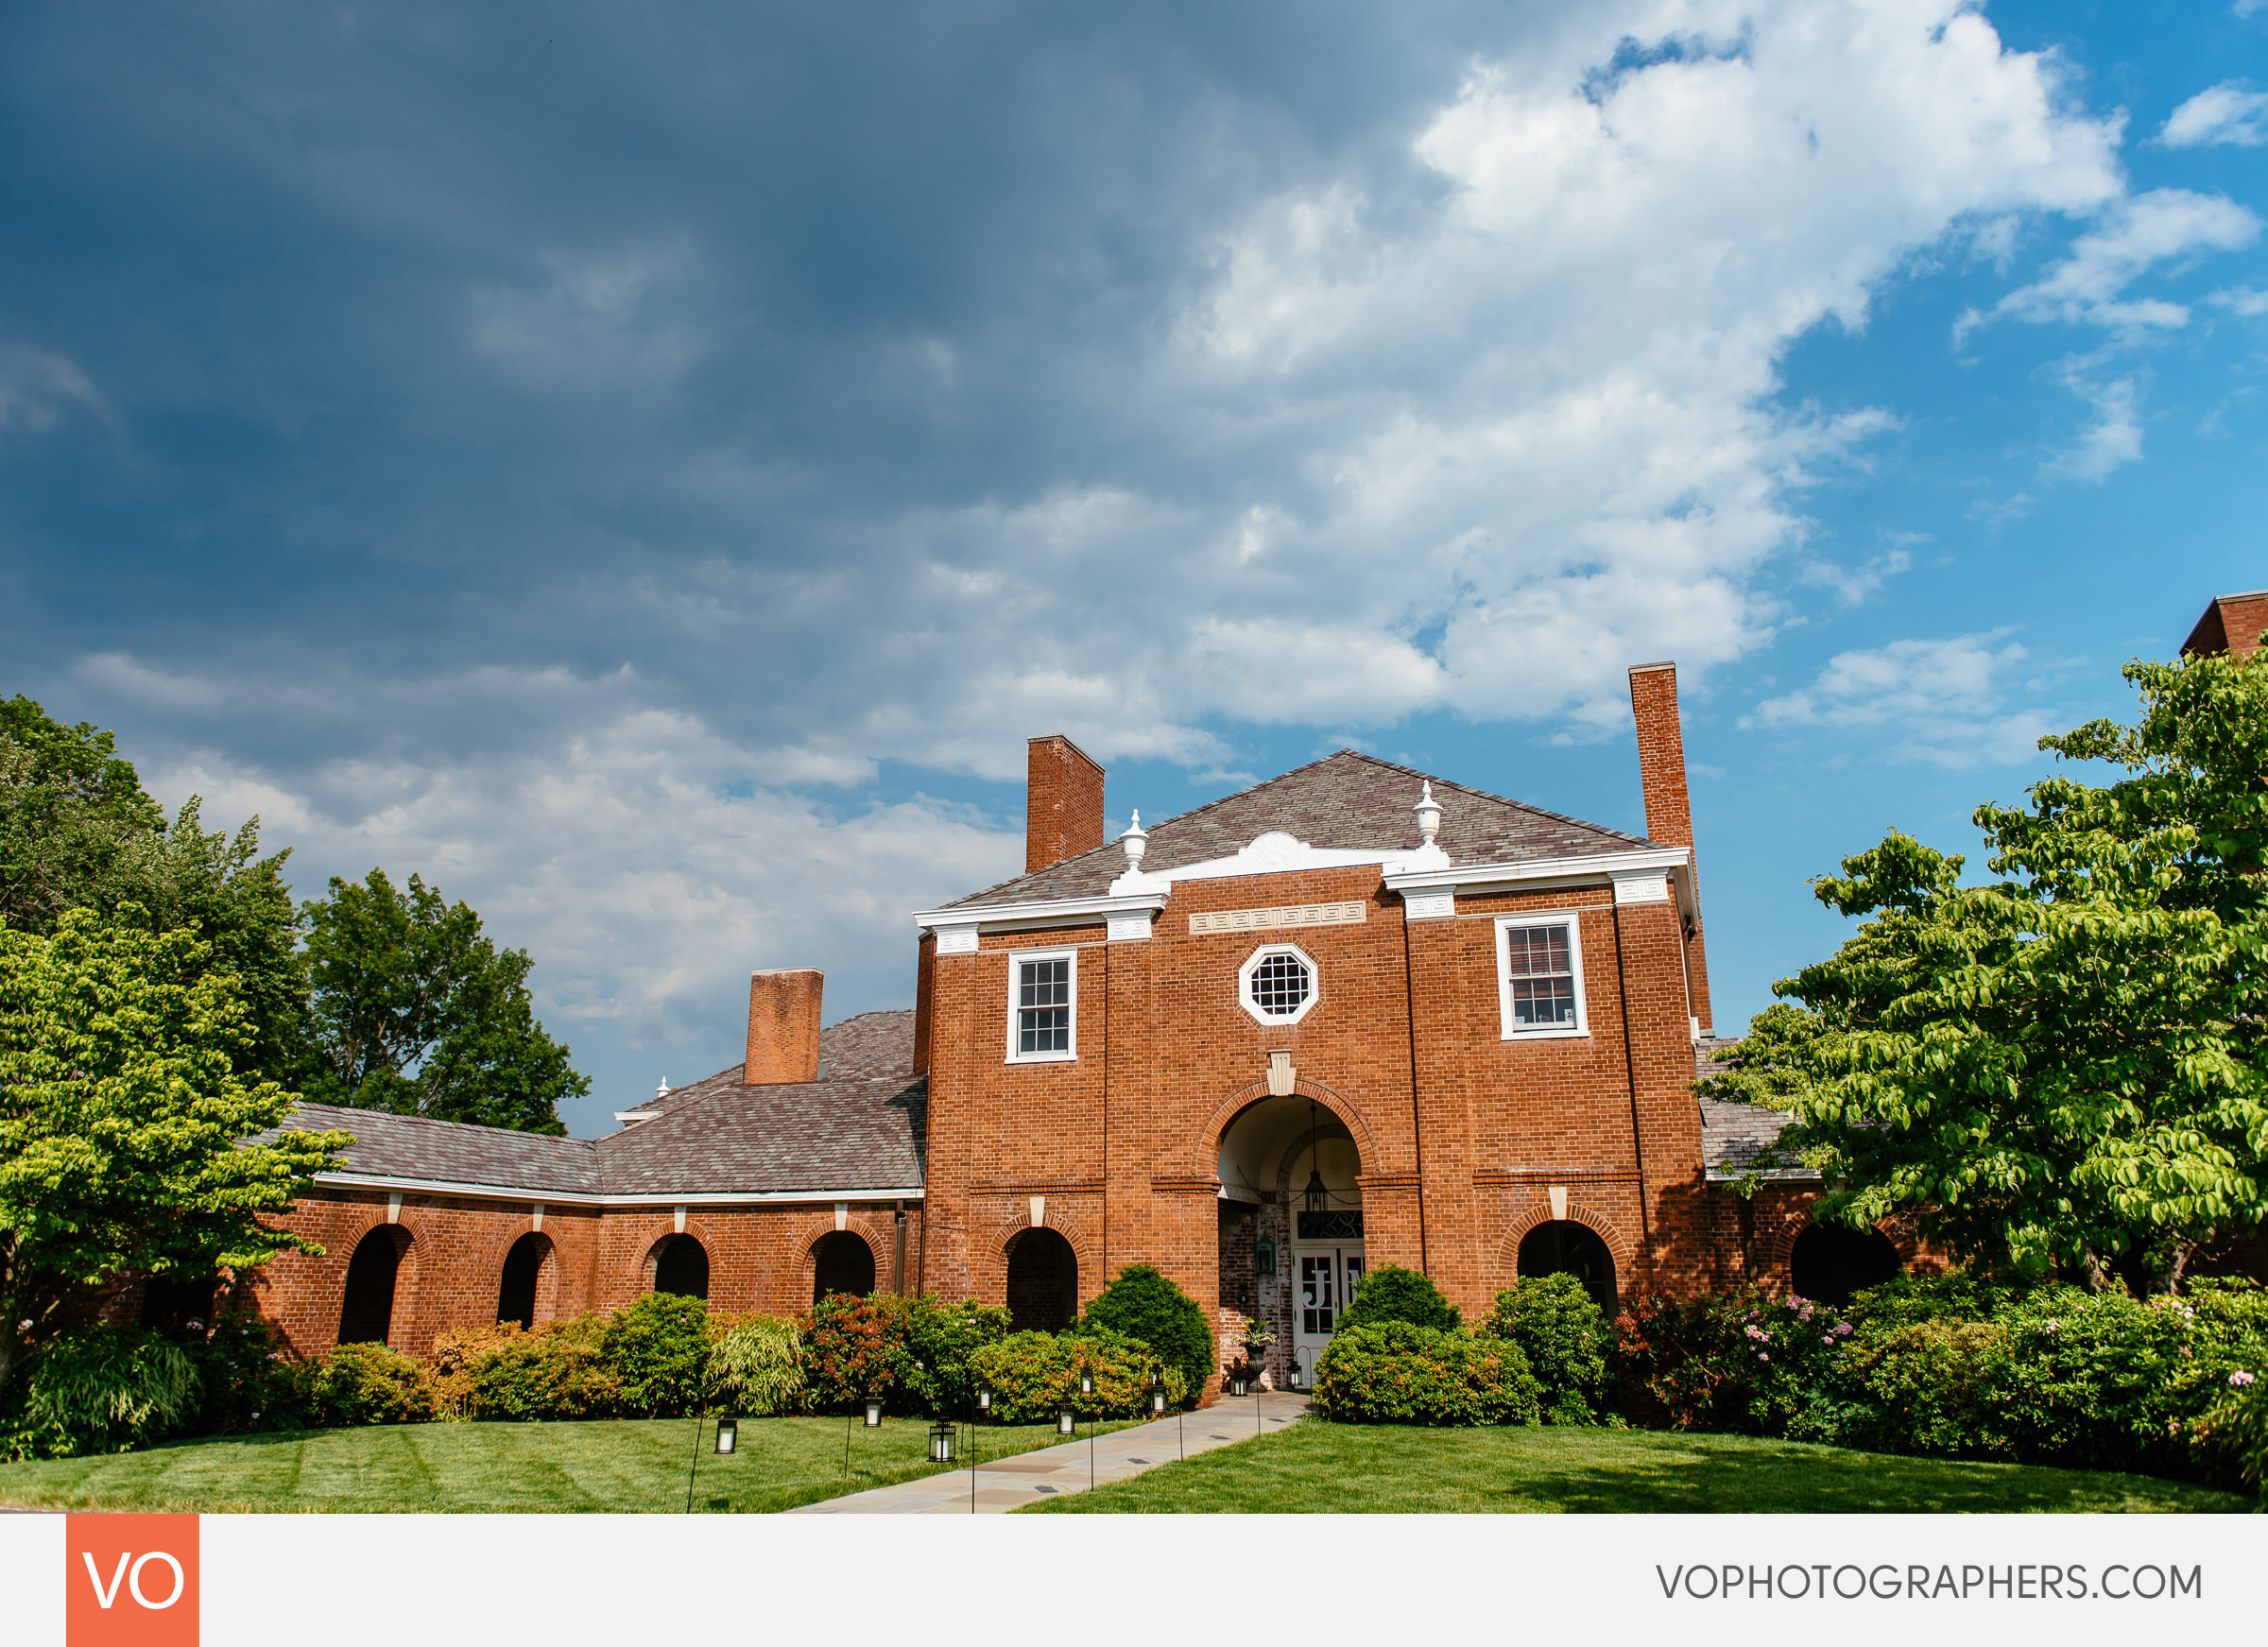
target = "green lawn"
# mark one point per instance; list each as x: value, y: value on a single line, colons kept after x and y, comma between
x: 1313, y: 1466
x: 631, y: 1464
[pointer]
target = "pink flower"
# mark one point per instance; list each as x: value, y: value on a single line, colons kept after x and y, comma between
x: 2236, y: 1380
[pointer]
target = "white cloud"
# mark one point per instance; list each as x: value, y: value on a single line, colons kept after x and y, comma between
x: 2243, y: 300
x: 37, y: 388
x: 2223, y: 113
x: 1947, y: 699
x: 2136, y: 234
x: 2112, y: 437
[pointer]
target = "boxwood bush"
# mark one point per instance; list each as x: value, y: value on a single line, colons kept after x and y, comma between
x: 1399, y: 1373
x: 1563, y: 1334
x: 1390, y: 1292
x: 1143, y: 1304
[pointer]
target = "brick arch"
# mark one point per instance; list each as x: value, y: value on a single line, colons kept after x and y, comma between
x: 1216, y: 1126
x: 810, y: 1234
x: 992, y: 1242
x: 407, y: 1270
x: 1775, y: 1267
x: 1620, y: 1247
x: 547, y: 1270
x: 641, y: 1275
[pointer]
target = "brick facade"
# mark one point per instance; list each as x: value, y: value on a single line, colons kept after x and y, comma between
x: 1452, y: 1134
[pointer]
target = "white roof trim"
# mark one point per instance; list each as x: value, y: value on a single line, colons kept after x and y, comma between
x: 1049, y: 912
x: 1591, y: 868
x: 575, y: 1198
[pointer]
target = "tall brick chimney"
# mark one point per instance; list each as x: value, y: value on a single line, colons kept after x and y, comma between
x: 1669, y: 813
x: 784, y: 1026
x: 1063, y: 804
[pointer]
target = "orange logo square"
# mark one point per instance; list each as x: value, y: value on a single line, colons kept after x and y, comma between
x: 131, y: 1580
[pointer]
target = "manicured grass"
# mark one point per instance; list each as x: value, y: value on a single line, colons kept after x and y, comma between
x: 1319, y: 1466
x: 631, y: 1464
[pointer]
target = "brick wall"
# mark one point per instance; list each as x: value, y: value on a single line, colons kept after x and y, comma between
x: 1063, y: 804
x: 784, y: 1026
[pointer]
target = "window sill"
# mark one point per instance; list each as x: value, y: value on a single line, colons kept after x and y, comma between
x: 1577, y: 1033
x: 1041, y: 1059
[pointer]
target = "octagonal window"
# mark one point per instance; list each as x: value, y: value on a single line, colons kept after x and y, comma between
x: 1278, y: 985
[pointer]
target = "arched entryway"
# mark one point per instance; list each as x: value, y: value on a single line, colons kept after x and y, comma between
x: 523, y: 1272
x: 1043, y: 1282
x: 841, y: 1263
x: 1294, y: 1163
x: 366, y: 1314
x: 1833, y: 1261
x: 681, y: 1266
x: 1565, y: 1247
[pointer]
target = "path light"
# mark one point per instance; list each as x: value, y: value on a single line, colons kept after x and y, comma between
x: 1298, y: 1373
x: 1236, y: 1383
x: 873, y: 1412
x: 984, y: 1399
x: 1086, y: 1380
x: 727, y: 1432
x: 1156, y: 1392
x: 1067, y: 1417
x: 941, y: 1442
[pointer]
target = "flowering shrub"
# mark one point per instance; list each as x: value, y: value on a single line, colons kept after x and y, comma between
x: 1564, y: 1336
x: 856, y: 1348
x: 250, y: 1382
x: 2235, y: 1431
x: 1396, y: 1372
x: 101, y: 1389
x: 756, y: 1366
x: 940, y: 1338
x: 1743, y: 1362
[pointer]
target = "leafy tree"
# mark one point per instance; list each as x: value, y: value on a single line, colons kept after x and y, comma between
x: 413, y: 1011
x: 2064, y: 1068
x: 121, y: 1112
x: 1143, y: 1302
x: 1391, y: 1292
x: 78, y: 832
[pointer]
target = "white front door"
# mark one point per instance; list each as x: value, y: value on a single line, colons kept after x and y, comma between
x: 1323, y: 1280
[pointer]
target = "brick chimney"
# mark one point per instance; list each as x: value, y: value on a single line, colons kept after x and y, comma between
x: 1669, y: 813
x: 1063, y: 804
x: 784, y: 1026
x: 2232, y: 623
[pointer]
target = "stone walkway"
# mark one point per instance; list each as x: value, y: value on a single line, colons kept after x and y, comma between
x: 1026, y: 1477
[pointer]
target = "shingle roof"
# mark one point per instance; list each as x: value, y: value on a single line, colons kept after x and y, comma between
x: 409, y: 1146
x: 870, y: 1044
x: 855, y: 1134
x: 1346, y: 801
x: 1733, y: 1134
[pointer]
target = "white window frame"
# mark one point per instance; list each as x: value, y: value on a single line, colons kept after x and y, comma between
x: 1244, y: 985
x: 1017, y: 958
x: 1508, y: 1030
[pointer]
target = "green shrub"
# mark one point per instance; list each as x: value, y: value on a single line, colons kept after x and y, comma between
x: 1030, y: 1373
x: 248, y: 1380
x: 561, y: 1370
x: 939, y: 1339
x: 1390, y: 1292
x: 1920, y: 1388
x: 756, y: 1367
x: 368, y: 1383
x: 102, y: 1389
x: 1564, y: 1337
x: 1399, y: 1373
x: 656, y: 1351
x: 1142, y: 1303
x: 2235, y: 1431
x: 1743, y: 1362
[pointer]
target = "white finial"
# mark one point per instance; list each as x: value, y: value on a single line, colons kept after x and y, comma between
x: 1136, y: 841
x: 663, y: 1091
x: 1429, y: 813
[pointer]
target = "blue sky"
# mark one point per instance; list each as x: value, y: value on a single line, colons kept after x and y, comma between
x: 649, y: 472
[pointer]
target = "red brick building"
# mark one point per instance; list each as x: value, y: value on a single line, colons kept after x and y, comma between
x: 1353, y: 1016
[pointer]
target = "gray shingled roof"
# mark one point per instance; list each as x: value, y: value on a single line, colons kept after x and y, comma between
x: 1346, y: 801
x: 1733, y: 1134
x: 868, y: 1044
x: 409, y: 1146
x: 855, y: 1134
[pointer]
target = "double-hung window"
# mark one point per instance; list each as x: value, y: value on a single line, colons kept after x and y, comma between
x: 1043, y: 1006
x: 1539, y: 976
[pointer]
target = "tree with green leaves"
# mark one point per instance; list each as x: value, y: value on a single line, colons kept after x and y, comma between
x: 2066, y: 1068
x: 78, y: 832
x: 122, y: 1116
x: 413, y: 1011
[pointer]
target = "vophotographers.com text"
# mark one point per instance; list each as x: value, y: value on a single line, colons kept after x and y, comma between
x: 1918, y: 1581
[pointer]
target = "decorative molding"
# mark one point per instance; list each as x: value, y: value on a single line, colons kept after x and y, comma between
x: 1385, y: 1182
x: 957, y: 940
x: 1557, y: 1195
x: 956, y: 928
x: 842, y: 1216
x: 1593, y: 869
x: 1435, y: 903
x: 1283, y: 1080
x: 1039, y: 1206
x: 1642, y: 886
x: 1276, y: 920
x: 1130, y: 926
x: 1185, y: 1186
x: 393, y: 1208
x: 1040, y: 1187
x: 680, y: 1220
x: 535, y: 1218
x: 1513, y: 1177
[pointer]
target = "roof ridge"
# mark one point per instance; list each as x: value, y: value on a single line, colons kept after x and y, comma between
x: 1492, y: 795
x: 481, y: 1126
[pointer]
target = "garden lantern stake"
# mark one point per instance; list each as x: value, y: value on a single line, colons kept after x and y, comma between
x: 728, y: 1434
x: 1066, y: 1418
x: 941, y: 1442
x: 1156, y: 1392
x: 873, y: 1412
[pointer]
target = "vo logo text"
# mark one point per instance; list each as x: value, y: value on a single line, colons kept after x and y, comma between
x: 131, y: 1580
